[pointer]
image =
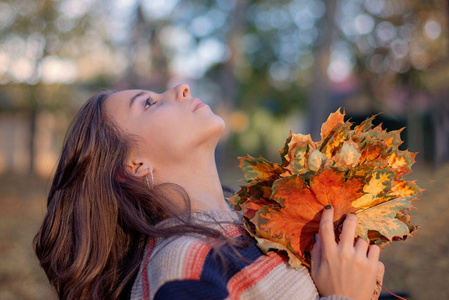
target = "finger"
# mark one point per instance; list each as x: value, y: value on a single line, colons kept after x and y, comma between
x: 379, y: 280
x: 348, y: 232
x: 361, y: 247
x: 373, y: 253
x: 380, y: 272
x: 316, y: 255
x: 327, y: 229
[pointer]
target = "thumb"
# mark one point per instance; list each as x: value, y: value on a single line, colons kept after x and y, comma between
x: 316, y: 255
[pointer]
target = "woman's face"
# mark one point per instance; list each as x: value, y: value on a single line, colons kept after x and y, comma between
x: 168, y: 128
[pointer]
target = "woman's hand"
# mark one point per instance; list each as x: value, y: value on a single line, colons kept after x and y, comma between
x: 347, y: 268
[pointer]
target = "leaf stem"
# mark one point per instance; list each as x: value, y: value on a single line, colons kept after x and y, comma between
x: 390, y: 292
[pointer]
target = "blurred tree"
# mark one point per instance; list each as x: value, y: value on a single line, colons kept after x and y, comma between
x: 319, y: 107
x: 147, y: 61
x: 27, y: 22
x: 258, y: 57
x: 40, y: 40
x: 276, y: 51
x: 392, y: 44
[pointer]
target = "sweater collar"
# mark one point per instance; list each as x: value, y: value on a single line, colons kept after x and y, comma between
x: 204, y: 217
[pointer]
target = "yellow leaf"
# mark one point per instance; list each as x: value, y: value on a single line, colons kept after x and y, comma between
x: 404, y: 188
x: 335, y: 140
x: 375, y: 189
x: 379, y: 182
x: 363, y: 201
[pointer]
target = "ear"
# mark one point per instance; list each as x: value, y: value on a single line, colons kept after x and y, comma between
x: 139, y: 169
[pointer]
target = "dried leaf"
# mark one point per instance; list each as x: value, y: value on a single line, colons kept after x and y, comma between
x: 294, y: 153
x: 348, y: 156
x: 316, y: 160
x: 334, y: 121
x: 382, y: 218
x: 297, y: 220
x: 377, y: 185
x: 267, y: 245
x: 355, y: 170
x: 258, y: 168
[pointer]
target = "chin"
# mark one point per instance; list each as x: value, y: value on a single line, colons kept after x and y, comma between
x: 218, y: 127
x: 214, y: 131
x: 222, y: 123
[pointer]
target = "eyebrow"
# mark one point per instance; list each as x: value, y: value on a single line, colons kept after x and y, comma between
x: 134, y: 97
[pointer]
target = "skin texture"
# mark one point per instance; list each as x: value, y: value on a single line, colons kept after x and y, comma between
x: 346, y: 268
x: 177, y: 143
x: 173, y: 140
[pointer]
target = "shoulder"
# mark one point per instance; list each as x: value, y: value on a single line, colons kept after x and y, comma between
x: 186, y: 268
x: 171, y: 259
x: 271, y: 277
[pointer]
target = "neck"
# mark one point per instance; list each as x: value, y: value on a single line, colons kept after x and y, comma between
x: 199, y: 177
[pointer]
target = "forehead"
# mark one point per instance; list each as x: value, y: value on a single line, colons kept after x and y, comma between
x: 122, y: 97
x: 117, y: 104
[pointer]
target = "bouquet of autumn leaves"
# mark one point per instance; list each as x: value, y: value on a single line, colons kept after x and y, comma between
x: 356, y: 170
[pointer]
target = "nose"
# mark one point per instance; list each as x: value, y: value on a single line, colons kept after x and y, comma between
x: 182, y: 92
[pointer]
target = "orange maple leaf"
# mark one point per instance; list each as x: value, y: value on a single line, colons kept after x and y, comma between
x: 297, y: 220
x: 357, y: 170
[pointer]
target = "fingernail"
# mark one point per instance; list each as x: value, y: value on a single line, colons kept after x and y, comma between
x: 328, y: 206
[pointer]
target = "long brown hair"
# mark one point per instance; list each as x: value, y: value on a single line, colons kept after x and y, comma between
x: 100, y: 216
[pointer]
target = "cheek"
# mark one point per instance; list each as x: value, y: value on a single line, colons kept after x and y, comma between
x: 164, y: 139
x: 170, y: 137
x: 160, y: 146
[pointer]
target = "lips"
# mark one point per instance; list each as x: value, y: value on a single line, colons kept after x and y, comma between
x: 197, y: 104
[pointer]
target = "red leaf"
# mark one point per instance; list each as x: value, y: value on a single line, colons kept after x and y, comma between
x: 297, y: 220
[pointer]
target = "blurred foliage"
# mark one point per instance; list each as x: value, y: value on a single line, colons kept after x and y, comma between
x: 392, y: 43
x: 264, y: 59
x: 265, y: 66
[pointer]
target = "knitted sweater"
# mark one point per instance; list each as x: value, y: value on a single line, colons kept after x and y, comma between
x: 184, y: 267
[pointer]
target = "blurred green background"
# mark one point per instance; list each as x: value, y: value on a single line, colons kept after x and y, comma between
x: 266, y: 67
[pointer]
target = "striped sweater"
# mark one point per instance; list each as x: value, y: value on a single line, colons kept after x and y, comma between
x: 184, y: 267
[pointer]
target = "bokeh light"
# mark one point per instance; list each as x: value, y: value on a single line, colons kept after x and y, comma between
x: 265, y: 66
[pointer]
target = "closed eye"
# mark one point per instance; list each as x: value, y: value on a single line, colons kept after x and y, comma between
x: 149, y: 102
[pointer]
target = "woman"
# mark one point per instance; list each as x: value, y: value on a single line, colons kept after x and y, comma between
x: 136, y: 209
